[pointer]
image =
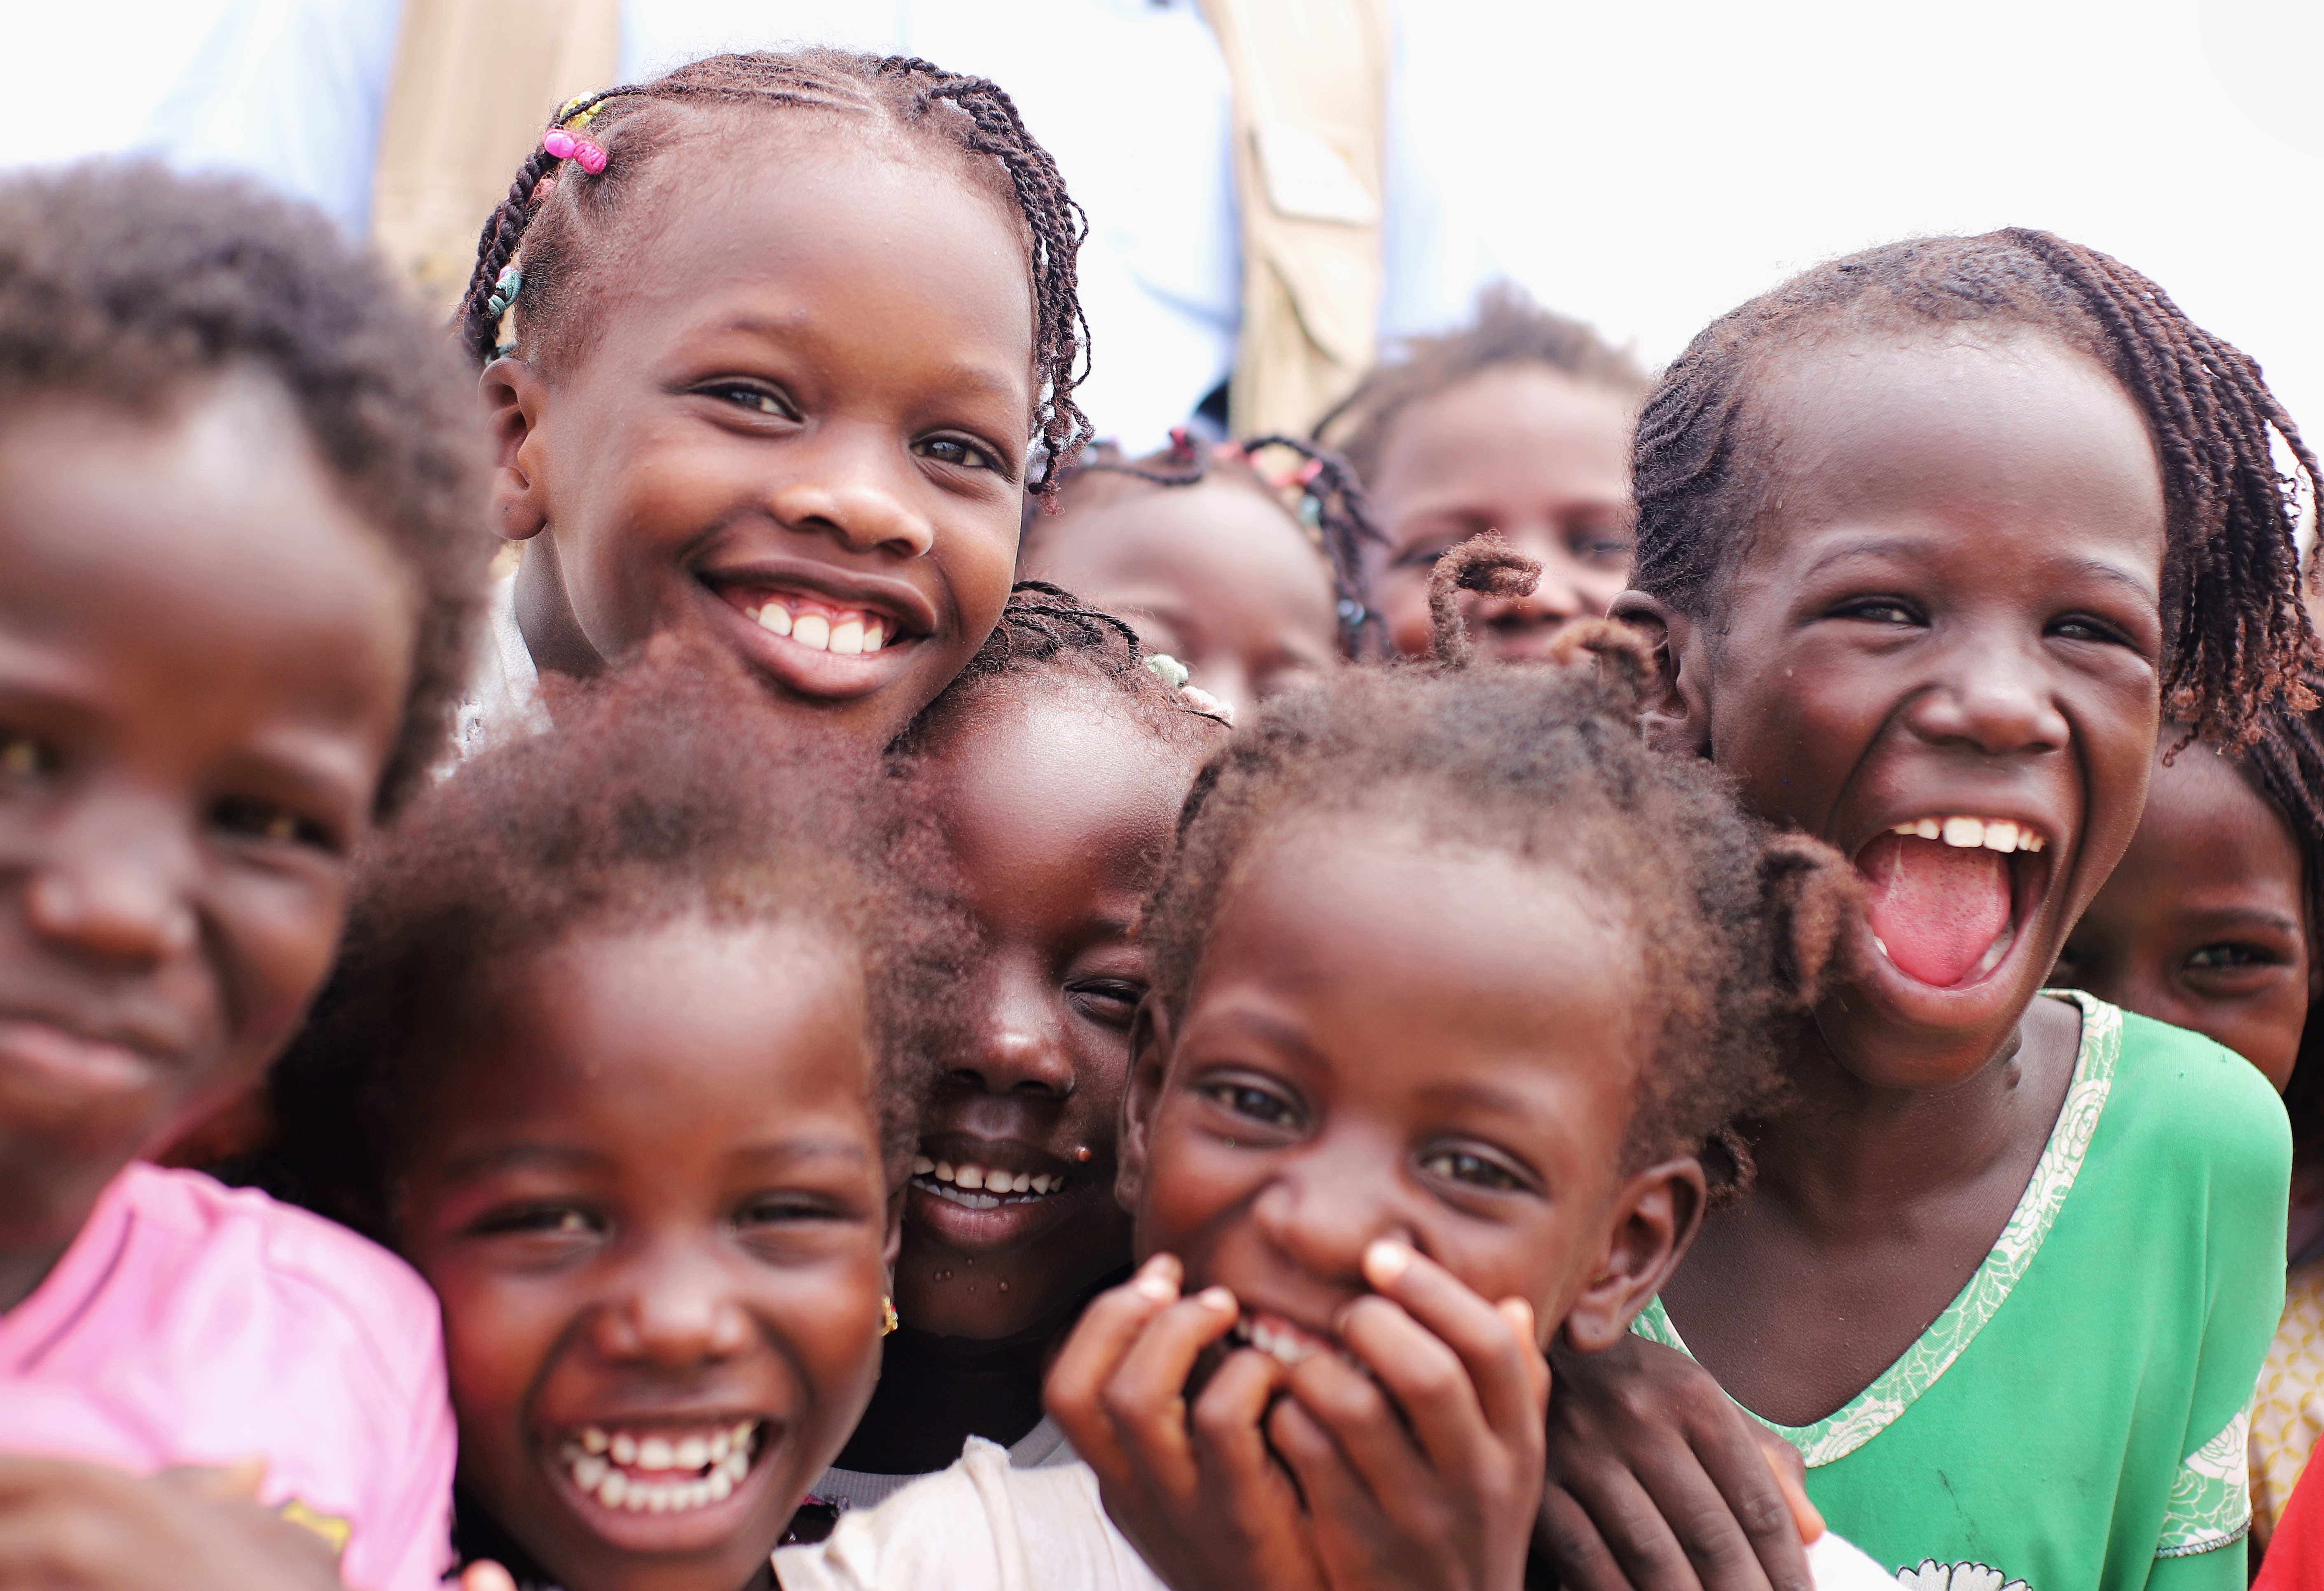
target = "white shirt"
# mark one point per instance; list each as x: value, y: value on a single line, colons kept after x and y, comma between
x: 986, y: 1524
x: 503, y: 698
x: 1132, y: 96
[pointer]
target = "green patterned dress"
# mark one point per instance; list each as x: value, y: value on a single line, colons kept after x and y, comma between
x: 2074, y: 1420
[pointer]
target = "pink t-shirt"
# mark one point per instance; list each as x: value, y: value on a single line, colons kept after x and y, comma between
x: 189, y: 1323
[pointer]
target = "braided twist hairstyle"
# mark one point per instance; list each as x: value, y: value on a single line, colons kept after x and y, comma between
x: 558, y: 213
x: 2236, y: 634
x: 1326, y: 499
x: 1733, y: 928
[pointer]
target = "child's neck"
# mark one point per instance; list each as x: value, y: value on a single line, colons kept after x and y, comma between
x: 1875, y: 1205
x: 934, y: 1392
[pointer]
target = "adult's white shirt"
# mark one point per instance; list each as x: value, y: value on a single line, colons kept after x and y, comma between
x: 1132, y: 96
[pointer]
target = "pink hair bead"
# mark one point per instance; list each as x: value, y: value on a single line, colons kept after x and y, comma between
x: 558, y: 142
x: 591, y: 156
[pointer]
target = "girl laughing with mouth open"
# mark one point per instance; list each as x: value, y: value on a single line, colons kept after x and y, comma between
x: 616, y: 1059
x: 1383, y: 1152
x: 1054, y: 767
x: 769, y: 344
x: 1929, y: 540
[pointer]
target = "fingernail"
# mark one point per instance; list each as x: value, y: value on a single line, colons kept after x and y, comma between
x: 1218, y: 1298
x: 1519, y: 1315
x: 1384, y: 1260
x: 1157, y: 1278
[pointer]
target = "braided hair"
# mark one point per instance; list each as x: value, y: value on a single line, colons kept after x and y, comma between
x: 1327, y: 500
x: 1048, y: 634
x: 2236, y: 634
x: 1734, y: 929
x: 555, y: 204
x: 1509, y: 330
x: 2286, y: 760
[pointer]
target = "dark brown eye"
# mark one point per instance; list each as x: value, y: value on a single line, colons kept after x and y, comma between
x: 1460, y: 1166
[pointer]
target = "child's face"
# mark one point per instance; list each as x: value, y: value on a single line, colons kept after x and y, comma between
x: 1371, y: 1051
x: 2204, y: 923
x: 798, y: 424
x: 203, y: 656
x: 1058, y: 809
x: 1523, y: 449
x: 648, y: 1190
x: 1215, y: 574
x: 1950, y: 620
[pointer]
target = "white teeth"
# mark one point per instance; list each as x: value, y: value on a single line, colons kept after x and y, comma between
x: 654, y: 1453
x: 741, y: 1432
x: 1881, y: 943
x: 615, y: 1489
x: 875, y: 636
x: 625, y: 1449
x: 973, y: 1186
x: 593, y: 1441
x: 588, y: 1470
x: 721, y: 1444
x: 945, y: 1172
x: 1967, y: 832
x: 774, y: 616
x: 720, y: 1485
x: 969, y: 1176
x: 847, y: 637
x: 692, y: 1453
x: 812, y: 631
x: 1040, y: 1184
x: 1996, y: 950
x: 923, y: 1166
x: 726, y: 1453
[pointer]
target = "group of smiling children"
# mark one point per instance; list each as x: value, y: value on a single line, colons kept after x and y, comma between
x: 908, y: 1002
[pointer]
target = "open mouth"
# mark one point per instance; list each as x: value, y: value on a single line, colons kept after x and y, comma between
x: 661, y: 1469
x: 1284, y: 1341
x: 1949, y: 893
x: 818, y: 624
x: 974, y: 1186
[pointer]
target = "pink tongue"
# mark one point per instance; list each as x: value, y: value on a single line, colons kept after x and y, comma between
x: 1937, y: 907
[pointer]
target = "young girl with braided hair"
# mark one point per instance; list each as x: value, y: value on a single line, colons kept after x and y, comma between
x: 1373, y: 1157
x: 1243, y: 561
x: 1932, y: 539
x: 772, y: 345
x: 1052, y: 770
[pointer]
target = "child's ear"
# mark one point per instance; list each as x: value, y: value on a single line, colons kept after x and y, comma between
x: 512, y: 394
x: 1674, y: 715
x: 1654, y: 1216
x: 1149, y: 1052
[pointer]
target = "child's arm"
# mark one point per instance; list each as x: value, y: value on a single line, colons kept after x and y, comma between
x: 1424, y: 1467
x: 1194, y: 1489
x: 66, y: 1526
x: 1656, y: 1478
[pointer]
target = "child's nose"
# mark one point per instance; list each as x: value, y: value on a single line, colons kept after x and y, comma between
x: 673, y: 1310
x: 115, y: 885
x: 852, y: 492
x: 1018, y: 1044
x: 1321, y: 1212
x: 1995, y: 698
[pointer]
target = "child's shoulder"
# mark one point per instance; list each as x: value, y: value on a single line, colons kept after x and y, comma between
x: 2178, y: 1101
x: 203, y: 1236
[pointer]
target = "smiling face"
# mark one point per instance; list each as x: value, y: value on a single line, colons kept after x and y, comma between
x: 1940, y: 652
x: 204, y: 655
x: 649, y: 1195
x: 2204, y: 924
x: 1370, y: 1051
x: 1057, y: 806
x: 798, y: 424
x: 1215, y: 574
x: 1523, y: 449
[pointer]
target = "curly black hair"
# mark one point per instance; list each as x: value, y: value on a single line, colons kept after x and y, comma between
x: 2286, y: 760
x: 1321, y: 495
x: 560, y: 220
x: 125, y: 285
x: 1048, y: 638
x: 1507, y: 328
x: 664, y: 791
x: 2236, y: 631
x: 1732, y: 927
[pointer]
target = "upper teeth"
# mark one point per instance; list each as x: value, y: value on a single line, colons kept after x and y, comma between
x: 1969, y: 833
x: 1287, y: 1346
x: 971, y: 1176
x: 602, y: 1464
x: 849, y: 634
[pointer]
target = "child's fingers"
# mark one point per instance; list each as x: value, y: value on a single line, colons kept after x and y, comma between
x: 1792, y: 1478
x: 1225, y: 1419
x: 1504, y: 1374
x: 484, y: 1575
x: 1074, y: 1389
x: 1347, y: 1513
x: 1146, y: 1398
x: 1357, y: 1416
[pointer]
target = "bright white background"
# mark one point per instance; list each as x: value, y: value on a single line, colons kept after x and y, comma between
x: 1646, y: 166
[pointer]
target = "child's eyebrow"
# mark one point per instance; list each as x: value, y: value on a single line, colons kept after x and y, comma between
x: 1477, y: 1094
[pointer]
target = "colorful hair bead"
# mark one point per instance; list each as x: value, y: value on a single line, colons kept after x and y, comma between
x: 1163, y: 667
x: 558, y: 142
x: 505, y: 288
x: 585, y: 152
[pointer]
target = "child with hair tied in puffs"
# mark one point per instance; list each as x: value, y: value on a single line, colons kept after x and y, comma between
x: 1374, y: 1158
